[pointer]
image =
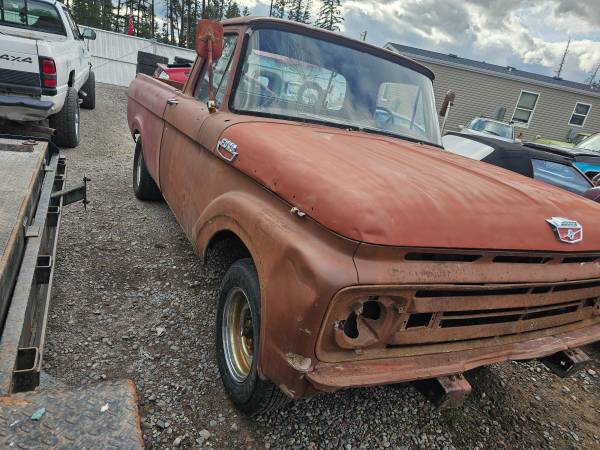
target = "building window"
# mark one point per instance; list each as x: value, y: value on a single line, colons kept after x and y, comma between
x: 525, y: 107
x: 580, y: 113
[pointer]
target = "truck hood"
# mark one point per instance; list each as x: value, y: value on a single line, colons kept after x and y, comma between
x: 388, y: 191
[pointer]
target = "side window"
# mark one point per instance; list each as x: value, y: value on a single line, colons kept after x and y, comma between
x: 221, y: 69
x: 580, y: 113
x: 72, y: 25
x: 525, y: 107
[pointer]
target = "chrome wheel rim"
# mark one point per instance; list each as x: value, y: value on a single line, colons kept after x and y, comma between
x: 237, y: 333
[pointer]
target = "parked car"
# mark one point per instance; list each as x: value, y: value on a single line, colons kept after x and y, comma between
x: 484, y: 126
x: 45, y: 67
x: 176, y: 72
x: 360, y: 253
x: 585, y: 159
x: 577, y: 138
x: 548, y: 167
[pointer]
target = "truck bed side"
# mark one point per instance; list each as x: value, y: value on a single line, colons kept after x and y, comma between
x: 145, y: 109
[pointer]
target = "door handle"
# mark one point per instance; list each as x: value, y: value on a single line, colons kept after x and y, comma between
x: 172, y: 102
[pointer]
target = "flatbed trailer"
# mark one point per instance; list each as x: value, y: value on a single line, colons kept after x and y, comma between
x: 33, y: 192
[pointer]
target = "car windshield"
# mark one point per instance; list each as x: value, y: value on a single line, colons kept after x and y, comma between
x: 32, y: 15
x: 560, y: 175
x: 298, y: 77
x: 591, y: 143
x: 495, y: 128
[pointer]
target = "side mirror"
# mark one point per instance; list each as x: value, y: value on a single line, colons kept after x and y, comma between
x: 209, y: 46
x: 88, y: 34
x: 447, y: 103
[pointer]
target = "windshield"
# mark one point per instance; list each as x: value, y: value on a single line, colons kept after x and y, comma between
x: 495, y: 128
x: 560, y: 175
x: 32, y: 15
x: 298, y: 77
x: 591, y: 143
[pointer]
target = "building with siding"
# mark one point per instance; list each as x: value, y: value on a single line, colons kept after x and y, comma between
x: 539, y: 105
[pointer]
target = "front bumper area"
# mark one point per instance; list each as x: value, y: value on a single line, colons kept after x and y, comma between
x: 24, y: 109
x: 334, y: 376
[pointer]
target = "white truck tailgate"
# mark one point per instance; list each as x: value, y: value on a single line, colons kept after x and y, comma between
x: 18, y: 54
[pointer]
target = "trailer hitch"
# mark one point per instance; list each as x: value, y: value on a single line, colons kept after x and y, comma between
x: 73, y: 194
x: 445, y: 392
x: 566, y: 362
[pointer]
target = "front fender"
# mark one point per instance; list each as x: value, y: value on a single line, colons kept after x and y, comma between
x: 300, y: 266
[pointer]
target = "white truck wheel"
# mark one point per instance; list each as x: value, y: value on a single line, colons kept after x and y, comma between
x: 89, y: 88
x: 66, y: 121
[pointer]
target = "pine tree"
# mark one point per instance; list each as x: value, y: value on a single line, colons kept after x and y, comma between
x: 299, y: 11
x: 279, y: 8
x: 306, y: 14
x: 233, y: 10
x: 330, y: 15
x: 246, y: 11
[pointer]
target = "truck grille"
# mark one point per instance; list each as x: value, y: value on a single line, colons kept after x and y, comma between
x: 18, y: 82
x: 424, y: 319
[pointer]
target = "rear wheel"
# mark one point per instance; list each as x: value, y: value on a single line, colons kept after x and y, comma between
x: 144, y: 186
x: 238, y: 338
x: 66, y: 121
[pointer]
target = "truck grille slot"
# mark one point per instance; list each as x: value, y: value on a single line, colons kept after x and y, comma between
x: 441, y: 257
x: 470, y: 292
x: 521, y: 259
x: 432, y: 256
x: 484, y: 317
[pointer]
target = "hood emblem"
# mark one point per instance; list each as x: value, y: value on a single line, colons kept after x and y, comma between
x: 566, y: 230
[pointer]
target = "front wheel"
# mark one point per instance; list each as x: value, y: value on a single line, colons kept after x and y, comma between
x: 89, y: 88
x: 238, y: 338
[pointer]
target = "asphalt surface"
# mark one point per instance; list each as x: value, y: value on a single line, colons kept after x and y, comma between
x: 131, y: 300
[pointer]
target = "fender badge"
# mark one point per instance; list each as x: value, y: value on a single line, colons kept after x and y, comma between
x: 566, y: 230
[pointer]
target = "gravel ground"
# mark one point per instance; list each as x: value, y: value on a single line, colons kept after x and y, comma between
x: 131, y: 300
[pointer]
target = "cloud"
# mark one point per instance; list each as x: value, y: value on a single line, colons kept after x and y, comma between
x: 530, y: 34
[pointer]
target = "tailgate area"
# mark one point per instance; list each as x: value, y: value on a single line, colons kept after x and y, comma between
x: 19, y: 66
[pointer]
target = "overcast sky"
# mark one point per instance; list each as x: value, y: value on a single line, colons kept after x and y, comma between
x: 528, y: 34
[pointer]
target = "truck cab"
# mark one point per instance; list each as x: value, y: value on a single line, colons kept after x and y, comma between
x: 361, y: 253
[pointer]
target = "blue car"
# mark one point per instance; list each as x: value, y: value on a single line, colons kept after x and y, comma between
x: 586, y: 156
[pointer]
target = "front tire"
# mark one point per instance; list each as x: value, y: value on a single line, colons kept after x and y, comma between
x: 89, y: 101
x: 66, y: 122
x: 238, y: 339
x: 144, y: 186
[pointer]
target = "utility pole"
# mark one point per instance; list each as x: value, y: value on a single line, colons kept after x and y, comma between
x: 271, y: 9
x: 363, y: 36
x: 562, y: 61
x: 590, y: 80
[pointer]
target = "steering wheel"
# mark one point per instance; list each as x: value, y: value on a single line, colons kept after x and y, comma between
x: 310, y: 95
x: 383, y: 117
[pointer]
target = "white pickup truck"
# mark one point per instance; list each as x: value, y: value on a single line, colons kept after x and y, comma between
x: 45, y: 67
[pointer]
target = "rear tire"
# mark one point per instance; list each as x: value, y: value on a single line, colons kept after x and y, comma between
x: 239, y: 298
x: 66, y: 122
x: 89, y: 101
x: 144, y: 186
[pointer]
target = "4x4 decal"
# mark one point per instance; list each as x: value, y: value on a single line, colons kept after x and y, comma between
x: 13, y: 58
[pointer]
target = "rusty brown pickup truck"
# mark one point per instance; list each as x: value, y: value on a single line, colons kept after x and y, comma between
x: 367, y: 254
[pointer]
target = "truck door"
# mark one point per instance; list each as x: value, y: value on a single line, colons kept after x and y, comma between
x: 182, y: 156
x: 79, y: 52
